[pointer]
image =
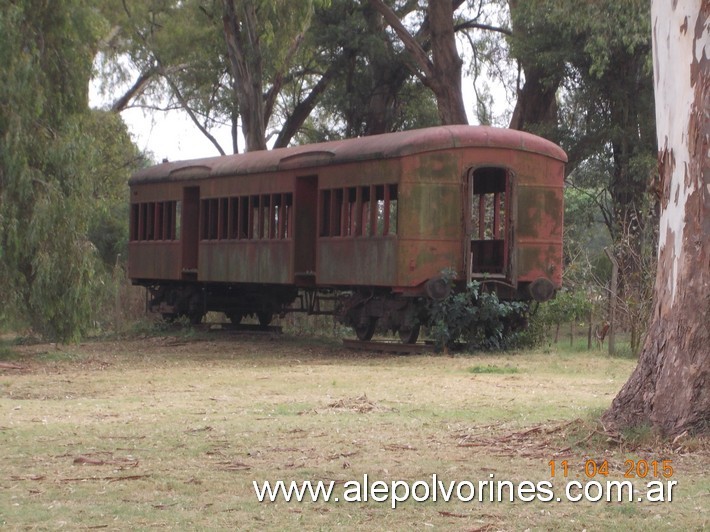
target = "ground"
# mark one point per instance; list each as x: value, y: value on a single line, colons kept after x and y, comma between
x: 171, y: 431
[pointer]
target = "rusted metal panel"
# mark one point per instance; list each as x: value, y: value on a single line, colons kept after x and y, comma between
x: 540, y: 260
x: 539, y: 233
x: 430, y: 211
x: 156, y: 192
x: 154, y: 260
x: 375, y: 172
x: 260, y: 261
x: 420, y: 260
x: 540, y: 212
x: 357, y: 261
x: 242, y: 185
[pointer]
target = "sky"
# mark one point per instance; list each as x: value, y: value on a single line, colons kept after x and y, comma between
x: 172, y: 135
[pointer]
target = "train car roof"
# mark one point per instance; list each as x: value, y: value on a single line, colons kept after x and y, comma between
x: 388, y: 145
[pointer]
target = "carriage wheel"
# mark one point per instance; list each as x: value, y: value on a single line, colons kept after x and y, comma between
x: 264, y: 318
x: 408, y: 334
x: 235, y: 318
x: 195, y: 317
x: 365, y: 330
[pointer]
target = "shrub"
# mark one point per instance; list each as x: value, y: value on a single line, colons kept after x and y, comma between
x: 476, y: 318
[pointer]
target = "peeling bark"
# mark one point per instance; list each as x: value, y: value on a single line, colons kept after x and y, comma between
x: 670, y: 388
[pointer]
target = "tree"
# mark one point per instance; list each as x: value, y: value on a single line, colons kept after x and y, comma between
x: 442, y: 72
x: 669, y: 388
x: 599, y: 55
x: 224, y: 62
x: 53, y: 171
x: 372, y: 89
x: 535, y: 31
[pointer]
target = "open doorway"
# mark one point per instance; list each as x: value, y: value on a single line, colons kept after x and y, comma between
x: 489, y: 208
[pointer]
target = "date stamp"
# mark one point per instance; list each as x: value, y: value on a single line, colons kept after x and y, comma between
x: 632, y: 468
x: 642, y: 480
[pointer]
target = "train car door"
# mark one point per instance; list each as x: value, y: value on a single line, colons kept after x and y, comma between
x: 488, y: 235
x: 190, y: 232
x: 305, y: 211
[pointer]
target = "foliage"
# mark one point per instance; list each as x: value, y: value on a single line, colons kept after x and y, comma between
x: 55, y: 158
x: 475, y: 317
x: 175, y: 55
x: 567, y: 306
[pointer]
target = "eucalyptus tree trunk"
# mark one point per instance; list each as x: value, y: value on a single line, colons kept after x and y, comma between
x: 442, y: 72
x: 241, y: 34
x: 670, y: 387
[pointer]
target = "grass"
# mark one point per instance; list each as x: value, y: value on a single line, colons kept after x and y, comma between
x: 170, y: 432
x: 490, y: 368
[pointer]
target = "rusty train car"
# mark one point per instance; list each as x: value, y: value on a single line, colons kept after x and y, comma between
x: 370, y: 223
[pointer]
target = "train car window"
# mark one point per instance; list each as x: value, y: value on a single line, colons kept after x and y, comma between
x: 279, y: 213
x: 214, y: 219
x: 155, y: 221
x: 377, y: 198
x: 233, y: 219
x: 177, y: 219
x: 158, y: 222
x: 365, y: 224
x: 205, y: 221
x: 144, y: 217
x: 254, y: 218
x: 167, y: 220
x: 135, y: 216
x: 358, y: 211
x: 326, y: 207
x: 333, y: 218
x: 350, y: 213
x: 336, y: 212
x: 223, y: 219
x: 287, y: 210
x: 381, y: 211
x: 391, y: 210
x: 243, y: 230
x: 265, y: 216
x: 274, y: 202
x: 210, y: 219
x: 150, y: 221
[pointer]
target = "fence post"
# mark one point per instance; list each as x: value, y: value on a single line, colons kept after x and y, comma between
x: 612, y: 300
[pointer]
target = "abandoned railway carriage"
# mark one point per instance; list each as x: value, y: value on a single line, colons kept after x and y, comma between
x: 369, y: 223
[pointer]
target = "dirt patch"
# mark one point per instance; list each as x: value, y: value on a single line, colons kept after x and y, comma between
x: 361, y: 405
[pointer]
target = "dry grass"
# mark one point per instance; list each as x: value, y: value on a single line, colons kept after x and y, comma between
x: 170, y: 432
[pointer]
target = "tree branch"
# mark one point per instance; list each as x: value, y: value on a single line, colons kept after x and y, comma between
x: 191, y: 113
x: 134, y: 91
x: 473, y: 25
x: 273, y: 92
x: 304, y: 108
x: 410, y: 43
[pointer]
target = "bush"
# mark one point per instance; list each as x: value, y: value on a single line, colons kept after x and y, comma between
x: 476, y: 318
